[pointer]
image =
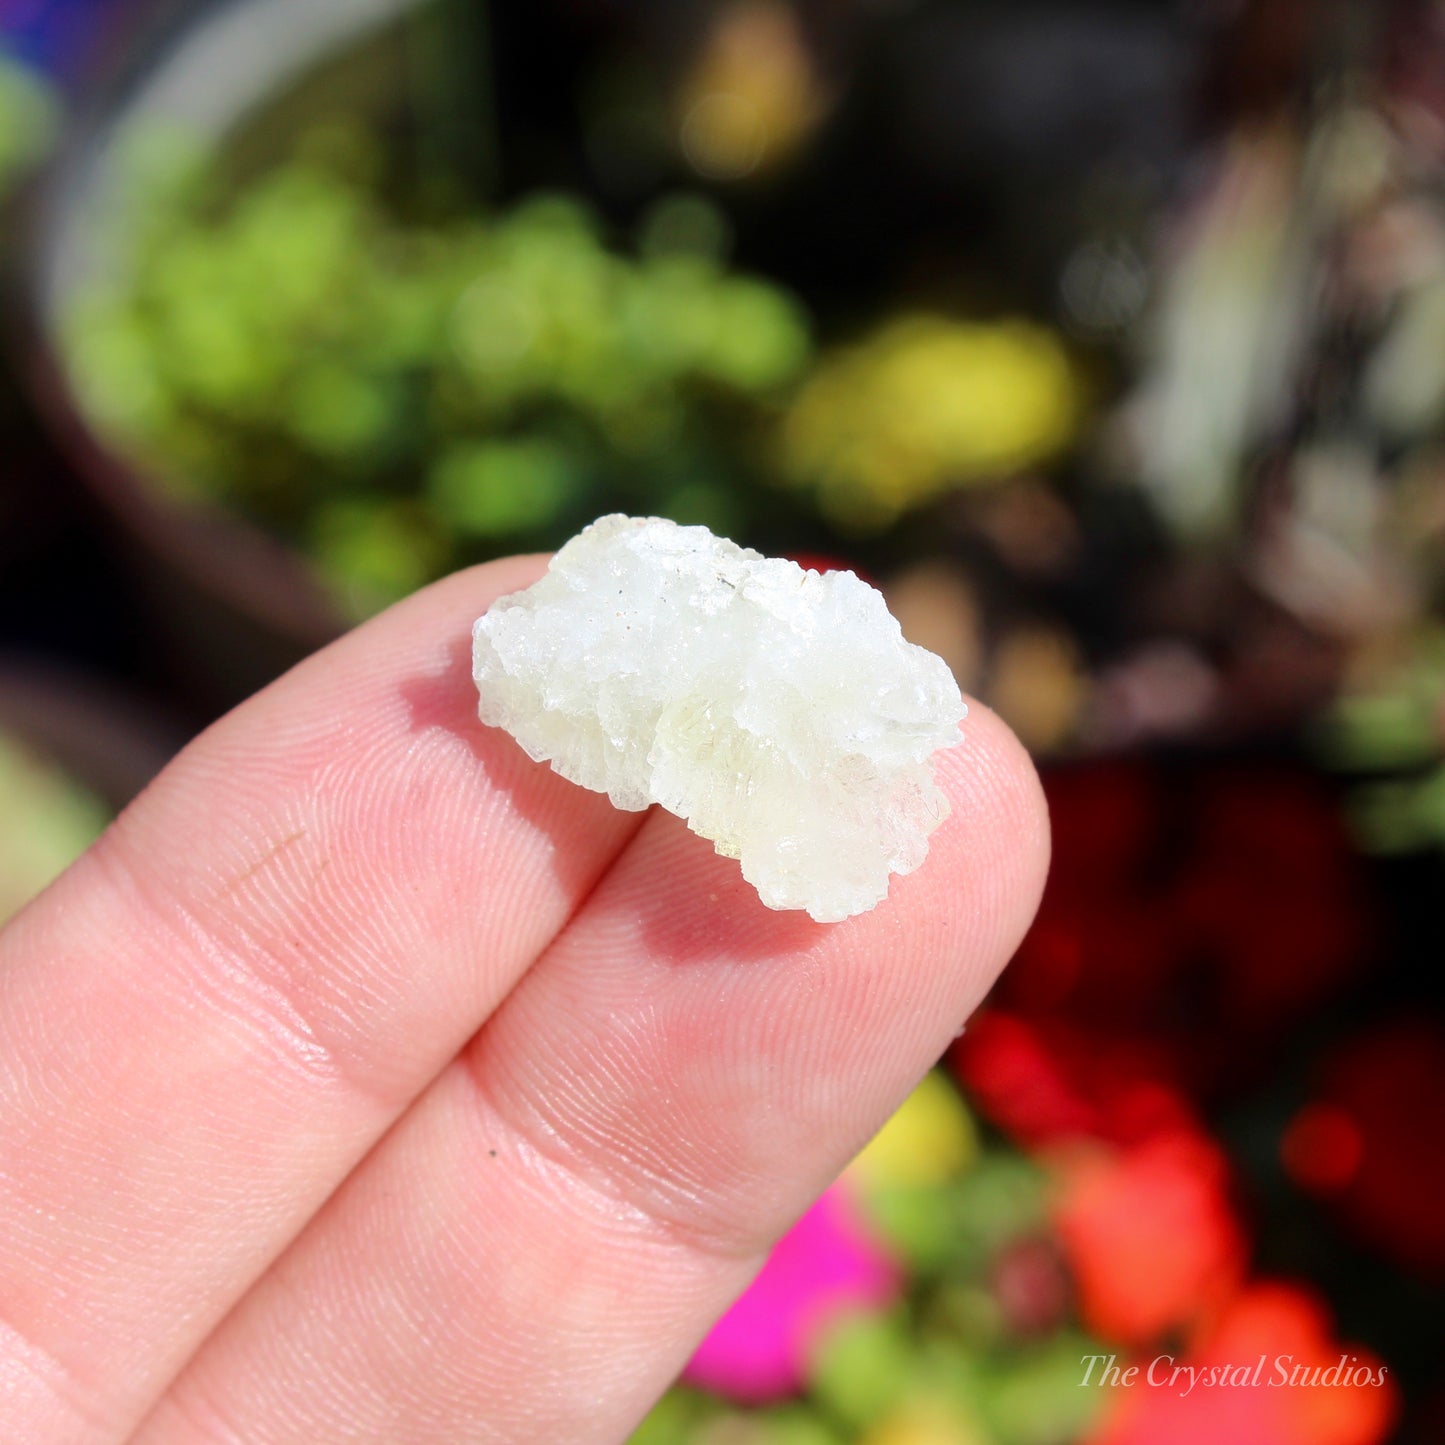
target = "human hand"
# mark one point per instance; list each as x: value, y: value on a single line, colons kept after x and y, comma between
x: 369, y: 1082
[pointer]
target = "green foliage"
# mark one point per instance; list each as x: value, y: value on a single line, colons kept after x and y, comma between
x: 1391, y: 727
x: 46, y: 821
x: 936, y: 1226
x: 27, y: 119
x: 1032, y: 1397
x: 401, y: 393
x: 862, y: 1368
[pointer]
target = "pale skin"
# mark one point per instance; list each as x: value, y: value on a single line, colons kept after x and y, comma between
x: 369, y: 1082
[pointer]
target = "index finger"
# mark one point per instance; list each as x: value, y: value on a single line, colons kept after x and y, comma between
x: 212, y: 1017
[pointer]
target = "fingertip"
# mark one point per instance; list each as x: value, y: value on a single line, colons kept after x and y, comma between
x: 999, y: 804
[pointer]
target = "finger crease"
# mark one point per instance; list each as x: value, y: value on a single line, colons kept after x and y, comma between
x: 61, y: 1382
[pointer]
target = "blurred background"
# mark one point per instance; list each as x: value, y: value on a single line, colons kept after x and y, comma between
x: 1106, y: 336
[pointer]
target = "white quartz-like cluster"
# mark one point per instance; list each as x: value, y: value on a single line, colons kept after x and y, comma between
x: 779, y: 711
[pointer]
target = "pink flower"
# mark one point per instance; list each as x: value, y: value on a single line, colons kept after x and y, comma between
x: 826, y: 1265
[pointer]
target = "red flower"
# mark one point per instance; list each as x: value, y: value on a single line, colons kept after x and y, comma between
x: 1322, y: 1149
x: 1149, y: 1234
x: 1267, y: 1372
x: 1274, y: 894
x: 1199, y: 911
x: 1046, y: 1081
x: 1374, y: 1145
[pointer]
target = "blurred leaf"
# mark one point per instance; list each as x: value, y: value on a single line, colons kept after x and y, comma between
x: 861, y: 1366
x: 29, y: 117
x: 760, y: 337
x: 1004, y: 1197
x: 1034, y: 1398
x: 685, y: 223
x: 302, y: 342
x: 341, y: 412
x: 47, y: 820
x: 374, y: 552
x: 797, y: 1425
x: 924, y: 1223
x: 1390, y: 731
x: 703, y: 503
x: 1401, y: 817
x: 504, y: 487
x: 674, y: 1418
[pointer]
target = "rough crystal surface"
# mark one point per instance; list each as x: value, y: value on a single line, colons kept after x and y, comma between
x: 779, y: 711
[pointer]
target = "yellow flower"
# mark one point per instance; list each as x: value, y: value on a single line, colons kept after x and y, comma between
x: 924, y: 405
x: 929, y: 1140
x: 926, y: 1424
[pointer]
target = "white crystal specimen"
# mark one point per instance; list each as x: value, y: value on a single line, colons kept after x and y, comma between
x: 778, y: 711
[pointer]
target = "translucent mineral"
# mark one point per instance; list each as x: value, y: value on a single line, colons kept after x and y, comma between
x: 778, y: 711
